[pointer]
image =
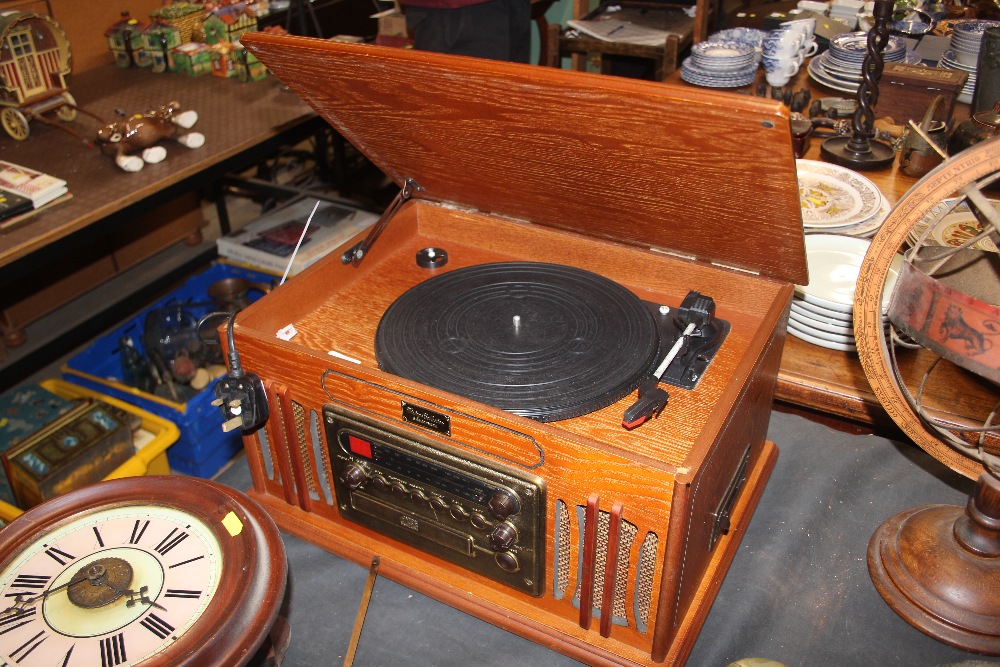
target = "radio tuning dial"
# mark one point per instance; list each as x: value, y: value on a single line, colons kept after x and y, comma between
x: 503, y: 504
x: 354, y: 476
x: 503, y: 536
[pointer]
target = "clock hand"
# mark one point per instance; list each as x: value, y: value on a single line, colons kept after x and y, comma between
x: 21, y: 603
x: 133, y: 596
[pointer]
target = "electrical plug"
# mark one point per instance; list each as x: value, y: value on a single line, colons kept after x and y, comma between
x: 242, y: 400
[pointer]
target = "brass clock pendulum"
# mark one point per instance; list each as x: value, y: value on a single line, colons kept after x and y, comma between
x: 859, y: 151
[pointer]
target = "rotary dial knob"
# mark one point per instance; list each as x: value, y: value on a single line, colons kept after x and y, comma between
x: 503, y: 504
x: 354, y: 476
x: 503, y: 536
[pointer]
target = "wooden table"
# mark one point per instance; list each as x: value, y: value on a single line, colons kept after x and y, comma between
x: 242, y: 124
x: 825, y: 384
x: 239, y: 121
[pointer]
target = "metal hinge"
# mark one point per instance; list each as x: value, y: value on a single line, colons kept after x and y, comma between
x: 356, y: 253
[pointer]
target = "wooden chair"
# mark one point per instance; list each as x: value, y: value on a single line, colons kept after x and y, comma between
x: 684, y: 32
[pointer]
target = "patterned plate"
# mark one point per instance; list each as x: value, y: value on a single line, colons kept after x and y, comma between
x: 952, y: 227
x: 862, y: 188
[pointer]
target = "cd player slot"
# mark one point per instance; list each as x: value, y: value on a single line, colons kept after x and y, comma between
x: 427, y: 529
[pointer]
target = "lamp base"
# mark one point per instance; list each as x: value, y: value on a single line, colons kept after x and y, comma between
x: 937, y: 580
x: 877, y: 155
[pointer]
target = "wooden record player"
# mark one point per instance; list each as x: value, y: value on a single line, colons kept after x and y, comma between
x: 603, y: 542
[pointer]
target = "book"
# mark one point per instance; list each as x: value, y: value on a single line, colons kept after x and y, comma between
x: 11, y: 204
x: 39, y: 187
x: 268, y: 242
x: 17, y: 219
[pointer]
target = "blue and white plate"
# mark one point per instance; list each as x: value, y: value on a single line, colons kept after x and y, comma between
x: 692, y: 73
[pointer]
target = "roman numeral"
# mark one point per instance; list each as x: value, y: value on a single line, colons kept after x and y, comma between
x: 181, y: 593
x: 22, y: 651
x: 68, y: 654
x: 185, y: 562
x: 100, y: 540
x: 58, y: 555
x: 113, y: 650
x: 16, y: 620
x: 170, y: 541
x: 157, y: 626
x: 137, y: 531
x: 25, y: 582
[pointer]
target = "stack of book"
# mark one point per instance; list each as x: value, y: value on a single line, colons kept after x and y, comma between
x: 269, y: 243
x: 23, y: 189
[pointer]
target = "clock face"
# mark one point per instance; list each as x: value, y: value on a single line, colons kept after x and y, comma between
x: 148, y: 571
x: 117, y: 586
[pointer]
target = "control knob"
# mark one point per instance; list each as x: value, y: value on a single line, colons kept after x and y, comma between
x: 503, y: 536
x: 354, y: 476
x: 503, y: 504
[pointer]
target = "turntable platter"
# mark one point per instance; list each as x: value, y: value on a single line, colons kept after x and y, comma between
x: 544, y: 341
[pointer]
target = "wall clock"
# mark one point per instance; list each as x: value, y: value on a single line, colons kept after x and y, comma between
x: 150, y: 571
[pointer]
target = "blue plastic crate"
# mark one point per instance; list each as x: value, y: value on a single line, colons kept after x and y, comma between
x: 203, y: 448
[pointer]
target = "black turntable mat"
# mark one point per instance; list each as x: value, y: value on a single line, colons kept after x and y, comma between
x: 544, y: 341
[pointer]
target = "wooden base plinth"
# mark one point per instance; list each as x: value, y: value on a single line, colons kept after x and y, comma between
x: 934, y: 576
x: 558, y: 634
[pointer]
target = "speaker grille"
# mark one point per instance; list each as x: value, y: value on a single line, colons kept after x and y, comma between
x: 626, y: 536
x: 644, y: 580
x: 320, y: 456
x: 299, y: 417
x: 562, y: 560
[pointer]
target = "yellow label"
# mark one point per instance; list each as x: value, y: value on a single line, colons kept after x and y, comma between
x: 233, y: 524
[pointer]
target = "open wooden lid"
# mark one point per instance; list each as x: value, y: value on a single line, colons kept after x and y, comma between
x: 701, y: 173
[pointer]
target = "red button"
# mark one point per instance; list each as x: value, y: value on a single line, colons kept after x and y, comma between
x: 360, y: 446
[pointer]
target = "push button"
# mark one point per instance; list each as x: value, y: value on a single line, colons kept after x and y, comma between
x: 507, y: 561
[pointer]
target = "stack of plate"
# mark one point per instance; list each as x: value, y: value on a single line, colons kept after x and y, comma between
x: 823, y: 311
x: 839, y: 67
x: 948, y: 61
x: 837, y: 200
x: 963, y: 54
x: 951, y: 224
x: 720, y: 64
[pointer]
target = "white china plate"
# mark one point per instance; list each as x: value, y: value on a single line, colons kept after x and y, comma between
x: 844, y: 347
x: 807, y: 319
x: 807, y: 324
x: 815, y: 310
x: 822, y: 335
x: 834, y: 263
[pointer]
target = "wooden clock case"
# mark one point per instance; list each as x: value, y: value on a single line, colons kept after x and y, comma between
x: 662, y: 189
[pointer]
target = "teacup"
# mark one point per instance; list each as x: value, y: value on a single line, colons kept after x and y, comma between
x: 806, y: 28
x: 786, y: 44
x: 778, y: 71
